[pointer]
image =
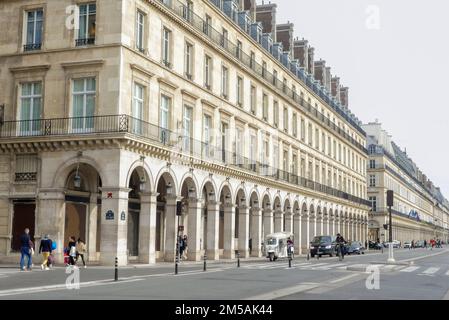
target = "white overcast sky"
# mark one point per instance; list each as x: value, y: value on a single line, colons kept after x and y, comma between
x: 397, y: 73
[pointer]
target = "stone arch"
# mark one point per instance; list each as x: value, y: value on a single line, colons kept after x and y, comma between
x: 167, y: 175
x: 189, y: 180
x: 144, y: 172
x: 60, y: 177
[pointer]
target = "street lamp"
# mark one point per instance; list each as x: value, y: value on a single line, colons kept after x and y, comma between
x: 169, y: 188
x: 211, y: 196
x: 192, y: 192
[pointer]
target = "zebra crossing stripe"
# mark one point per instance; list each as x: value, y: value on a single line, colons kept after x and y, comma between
x: 431, y: 270
x: 315, y: 265
x: 447, y: 273
x: 331, y: 266
x: 410, y: 269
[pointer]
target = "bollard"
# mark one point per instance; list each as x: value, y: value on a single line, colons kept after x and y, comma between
x: 289, y: 260
x: 204, y: 265
x: 308, y: 256
x: 238, y: 259
x: 116, y: 270
x: 176, y: 264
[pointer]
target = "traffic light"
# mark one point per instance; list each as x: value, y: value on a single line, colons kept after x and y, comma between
x: 386, y: 226
x: 179, y: 208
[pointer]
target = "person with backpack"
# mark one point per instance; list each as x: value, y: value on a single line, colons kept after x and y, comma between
x: 72, y: 252
x: 45, y: 250
x: 80, y: 251
x: 25, y: 250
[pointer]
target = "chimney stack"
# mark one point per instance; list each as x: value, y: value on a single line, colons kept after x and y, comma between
x: 250, y: 5
x: 344, y: 96
x: 284, y: 34
x: 310, y: 63
x: 301, y: 53
x: 335, y: 88
x: 266, y: 14
x: 320, y: 71
x: 328, y: 79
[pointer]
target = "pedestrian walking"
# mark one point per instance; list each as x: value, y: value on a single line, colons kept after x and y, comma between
x: 184, y: 244
x: 425, y: 244
x: 80, y: 251
x: 72, y: 251
x: 45, y: 250
x: 250, y: 245
x: 25, y: 250
x: 412, y: 245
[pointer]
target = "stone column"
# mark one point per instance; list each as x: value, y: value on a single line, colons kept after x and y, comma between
x: 171, y: 228
x: 229, y: 230
x: 92, y: 228
x: 256, y: 232
x: 332, y: 226
x: 194, y: 230
x: 213, y: 220
x: 278, y: 220
x: 319, y: 225
x: 50, y: 219
x: 325, y: 225
x: 267, y: 222
x: 114, y: 229
x: 147, y: 227
x: 244, y: 231
x: 297, y: 232
x: 312, y: 227
x: 305, y: 233
x: 289, y: 222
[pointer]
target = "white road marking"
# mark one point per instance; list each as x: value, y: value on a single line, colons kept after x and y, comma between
x: 284, y: 292
x: 345, y: 278
x: 315, y: 265
x: 331, y: 266
x: 410, y: 269
x: 431, y: 270
x: 447, y: 273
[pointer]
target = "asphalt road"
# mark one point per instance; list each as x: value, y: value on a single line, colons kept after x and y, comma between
x: 326, y: 278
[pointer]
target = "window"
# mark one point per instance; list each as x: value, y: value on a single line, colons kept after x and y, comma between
x: 137, y: 111
x: 252, y: 61
x: 188, y: 60
x: 285, y: 119
x: 239, y: 91
x: 276, y: 113
x: 275, y: 78
x: 252, y: 151
x: 34, y: 26
x: 207, y: 72
x: 253, y: 100
x: 295, y: 124
x: 329, y: 146
x: 276, y: 156
x: 238, y: 146
x: 285, y: 162
x: 188, y: 11
x: 87, y: 23
x: 317, y: 139
x: 265, y: 107
x: 372, y: 164
x: 140, y: 27
x: 303, y: 130
x: 303, y: 167
x: 83, y: 104
x: 294, y: 164
x: 373, y: 201
x: 224, y: 38
x: 265, y: 156
x: 207, y: 25
x: 207, y: 126
x: 264, y: 69
x: 323, y: 142
x: 224, y: 82
x: 188, y: 127
x: 309, y: 136
x: 372, y: 180
x: 335, y: 150
x: 166, y: 47
x: 165, y: 113
x: 224, y: 141
x: 238, y: 52
x: 30, y: 101
x: 284, y: 85
x: 294, y: 94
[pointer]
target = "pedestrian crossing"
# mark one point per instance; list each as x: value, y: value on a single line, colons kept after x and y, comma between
x: 296, y: 266
x: 425, y: 271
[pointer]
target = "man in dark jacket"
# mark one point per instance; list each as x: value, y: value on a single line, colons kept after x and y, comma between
x: 341, y: 244
x: 45, y: 249
x: 25, y: 250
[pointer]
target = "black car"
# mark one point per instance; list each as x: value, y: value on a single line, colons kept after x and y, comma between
x: 375, y: 245
x: 355, y: 247
x: 323, y: 245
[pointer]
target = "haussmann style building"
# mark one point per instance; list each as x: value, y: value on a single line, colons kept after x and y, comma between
x: 420, y: 211
x: 120, y: 114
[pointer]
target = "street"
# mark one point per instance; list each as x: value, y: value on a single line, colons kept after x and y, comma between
x: 418, y: 274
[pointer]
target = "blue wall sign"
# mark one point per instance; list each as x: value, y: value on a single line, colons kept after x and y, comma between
x: 110, y: 215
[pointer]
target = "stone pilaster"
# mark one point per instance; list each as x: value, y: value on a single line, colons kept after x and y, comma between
x: 213, y: 220
x: 243, y: 231
x: 147, y: 228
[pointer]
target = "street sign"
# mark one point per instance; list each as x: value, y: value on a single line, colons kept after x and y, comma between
x: 180, y: 228
x: 109, y: 215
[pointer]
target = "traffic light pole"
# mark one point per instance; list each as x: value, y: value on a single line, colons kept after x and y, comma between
x: 390, y: 236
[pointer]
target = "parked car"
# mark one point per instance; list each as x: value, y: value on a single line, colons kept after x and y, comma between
x: 323, y: 245
x: 355, y: 247
x: 407, y: 245
x: 375, y: 245
x: 419, y: 244
x: 396, y: 244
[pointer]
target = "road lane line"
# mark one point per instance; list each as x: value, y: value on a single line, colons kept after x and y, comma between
x: 345, y: 278
x: 284, y: 292
x: 447, y: 273
x: 314, y: 265
x: 328, y: 267
x: 409, y: 269
x: 431, y: 270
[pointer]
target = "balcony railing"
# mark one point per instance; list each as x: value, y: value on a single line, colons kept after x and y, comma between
x: 32, y: 47
x: 84, y: 41
x: 179, y: 144
x: 216, y: 37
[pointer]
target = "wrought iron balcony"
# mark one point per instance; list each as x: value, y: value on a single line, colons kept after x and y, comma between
x: 32, y: 47
x: 84, y: 41
x: 178, y: 143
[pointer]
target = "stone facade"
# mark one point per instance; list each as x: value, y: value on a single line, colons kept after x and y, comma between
x: 118, y: 111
